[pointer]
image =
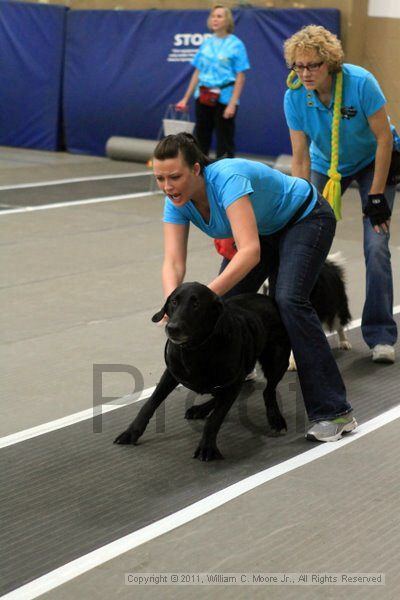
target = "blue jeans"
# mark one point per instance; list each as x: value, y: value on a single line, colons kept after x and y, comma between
x: 292, y: 258
x: 377, y: 323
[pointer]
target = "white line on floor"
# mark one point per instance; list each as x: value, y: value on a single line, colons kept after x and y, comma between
x: 89, y: 413
x: 30, y: 209
x: 27, y: 434
x: 197, y: 509
x: 20, y: 186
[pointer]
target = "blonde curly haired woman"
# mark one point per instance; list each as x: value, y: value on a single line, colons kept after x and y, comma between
x: 340, y: 109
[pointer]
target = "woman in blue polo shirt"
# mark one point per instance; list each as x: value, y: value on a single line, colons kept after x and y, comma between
x: 357, y: 148
x: 217, y: 83
x: 283, y: 229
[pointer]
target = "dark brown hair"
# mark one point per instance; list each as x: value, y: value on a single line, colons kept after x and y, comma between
x: 186, y: 144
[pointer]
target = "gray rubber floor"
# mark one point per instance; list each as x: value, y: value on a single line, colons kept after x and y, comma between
x: 70, y: 192
x: 85, y: 492
x: 78, y: 287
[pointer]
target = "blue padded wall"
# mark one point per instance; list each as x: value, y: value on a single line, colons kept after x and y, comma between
x: 118, y: 80
x: 31, y: 61
x: 123, y: 68
x: 262, y: 127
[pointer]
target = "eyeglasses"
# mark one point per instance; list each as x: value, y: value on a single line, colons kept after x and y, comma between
x: 310, y: 67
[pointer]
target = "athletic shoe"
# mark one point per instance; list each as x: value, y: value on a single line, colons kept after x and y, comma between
x: 331, y: 431
x: 383, y: 353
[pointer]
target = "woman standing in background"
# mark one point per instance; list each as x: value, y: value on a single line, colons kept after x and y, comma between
x: 217, y: 83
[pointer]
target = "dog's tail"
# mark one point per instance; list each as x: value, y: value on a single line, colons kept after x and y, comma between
x: 338, y: 261
x: 337, y: 258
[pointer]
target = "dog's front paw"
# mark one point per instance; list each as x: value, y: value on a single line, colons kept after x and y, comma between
x: 277, y: 423
x: 127, y: 437
x: 345, y: 345
x: 206, y: 452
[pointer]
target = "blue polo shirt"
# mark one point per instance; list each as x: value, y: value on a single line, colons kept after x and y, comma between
x: 218, y: 61
x: 362, y: 97
x: 275, y: 197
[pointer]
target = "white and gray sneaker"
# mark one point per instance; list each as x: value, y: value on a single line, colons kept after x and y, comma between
x: 383, y: 353
x: 331, y: 431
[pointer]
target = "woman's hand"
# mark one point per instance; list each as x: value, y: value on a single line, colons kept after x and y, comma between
x: 163, y: 321
x: 181, y: 105
x: 229, y: 111
x: 378, y: 212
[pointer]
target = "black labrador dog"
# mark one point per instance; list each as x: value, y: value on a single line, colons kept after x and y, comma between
x: 212, y: 345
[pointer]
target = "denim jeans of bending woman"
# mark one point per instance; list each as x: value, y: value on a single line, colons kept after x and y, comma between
x: 377, y: 324
x: 292, y: 259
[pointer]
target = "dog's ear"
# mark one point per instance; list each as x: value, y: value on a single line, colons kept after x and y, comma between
x: 218, y: 305
x: 160, y: 314
x: 223, y: 321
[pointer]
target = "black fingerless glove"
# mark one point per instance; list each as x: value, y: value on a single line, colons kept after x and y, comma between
x: 377, y: 209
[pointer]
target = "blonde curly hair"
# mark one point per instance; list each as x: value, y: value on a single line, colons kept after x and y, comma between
x: 230, y: 24
x: 315, y: 37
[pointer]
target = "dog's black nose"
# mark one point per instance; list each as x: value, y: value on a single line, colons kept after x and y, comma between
x: 176, y: 334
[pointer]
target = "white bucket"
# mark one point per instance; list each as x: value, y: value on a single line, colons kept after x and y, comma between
x: 174, y: 126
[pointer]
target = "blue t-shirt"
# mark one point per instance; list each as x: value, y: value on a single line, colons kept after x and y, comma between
x: 218, y: 61
x: 275, y: 197
x: 362, y: 97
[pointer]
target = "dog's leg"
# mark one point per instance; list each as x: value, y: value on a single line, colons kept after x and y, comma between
x: 207, y: 449
x: 274, y: 365
x: 344, y: 343
x: 165, y: 386
x: 200, y: 411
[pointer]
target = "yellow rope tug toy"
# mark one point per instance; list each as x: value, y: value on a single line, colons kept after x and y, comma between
x: 293, y: 85
x: 332, y: 190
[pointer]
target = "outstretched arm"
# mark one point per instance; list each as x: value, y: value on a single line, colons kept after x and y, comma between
x: 301, y: 165
x: 189, y: 92
x: 379, y: 125
x: 244, y: 228
x: 175, y: 252
x: 230, y: 109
